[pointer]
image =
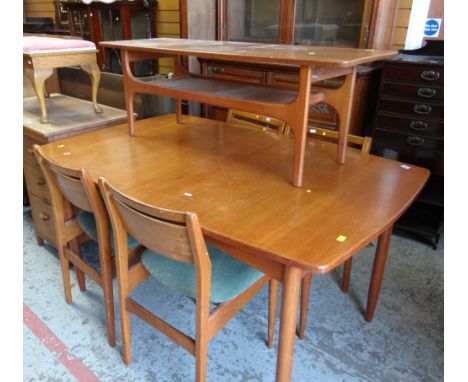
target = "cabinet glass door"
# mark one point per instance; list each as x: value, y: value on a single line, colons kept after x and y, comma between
x: 332, y: 22
x: 253, y: 20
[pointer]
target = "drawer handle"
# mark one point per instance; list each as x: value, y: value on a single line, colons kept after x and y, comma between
x: 217, y: 69
x: 415, y: 141
x: 43, y: 216
x: 430, y: 75
x: 422, y: 109
x: 426, y: 92
x: 418, y: 125
x: 40, y: 182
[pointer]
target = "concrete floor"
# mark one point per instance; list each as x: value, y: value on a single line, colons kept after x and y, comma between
x: 403, y: 343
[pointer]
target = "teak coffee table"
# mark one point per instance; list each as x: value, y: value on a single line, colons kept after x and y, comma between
x: 316, y: 63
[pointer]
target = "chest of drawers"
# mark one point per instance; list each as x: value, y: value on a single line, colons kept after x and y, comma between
x: 409, y: 127
x: 68, y: 117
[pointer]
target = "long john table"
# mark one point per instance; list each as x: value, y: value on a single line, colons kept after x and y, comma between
x: 235, y: 179
x: 292, y: 106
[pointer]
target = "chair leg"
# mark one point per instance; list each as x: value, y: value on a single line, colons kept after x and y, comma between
x: 75, y: 247
x: 272, y: 304
x: 65, y: 265
x: 305, y: 291
x: 106, y: 275
x: 346, y: 275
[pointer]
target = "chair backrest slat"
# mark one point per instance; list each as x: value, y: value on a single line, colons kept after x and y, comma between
x: 73, y: 190
x: 162, y: 231
x: 244, y: 118
x: 363, y: 143
x: 168, y: 239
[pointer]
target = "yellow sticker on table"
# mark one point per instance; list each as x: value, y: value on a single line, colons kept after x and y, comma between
x: 341, y: 238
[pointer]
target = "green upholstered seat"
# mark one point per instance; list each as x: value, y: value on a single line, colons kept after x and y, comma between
x: 87, y: 222
x: 229, y: 276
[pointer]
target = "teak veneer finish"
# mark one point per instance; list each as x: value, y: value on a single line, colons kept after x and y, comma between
x: 233, y: 178
x: 316, y: 64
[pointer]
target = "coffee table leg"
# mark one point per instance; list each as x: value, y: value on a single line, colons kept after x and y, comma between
x: 289, y: 302
x: 377, y: 272
x: 38, y: 78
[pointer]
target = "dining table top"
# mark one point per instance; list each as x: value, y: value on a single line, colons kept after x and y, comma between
x: 237, y: 180
x: 255, y: 52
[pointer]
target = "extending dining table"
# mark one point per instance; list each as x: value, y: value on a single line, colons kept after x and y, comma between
x: 236, y: 180
x: 291, y: 105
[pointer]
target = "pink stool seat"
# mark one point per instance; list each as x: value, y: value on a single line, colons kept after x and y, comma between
x: 38, y: 44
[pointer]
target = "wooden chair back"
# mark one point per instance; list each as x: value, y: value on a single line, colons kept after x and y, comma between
x: 363, y: 143
x: 244, y: 118
x: 173, y: 234
x: 74, y: 185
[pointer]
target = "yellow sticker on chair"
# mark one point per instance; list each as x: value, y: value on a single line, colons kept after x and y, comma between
x: 341, y: 238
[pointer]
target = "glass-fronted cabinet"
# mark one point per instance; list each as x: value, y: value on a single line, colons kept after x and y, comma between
x: 120, y: 20
x: 345, y: 23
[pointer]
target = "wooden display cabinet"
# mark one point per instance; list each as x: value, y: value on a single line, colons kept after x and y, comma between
x: 121, y: 20
x: 356, y: 23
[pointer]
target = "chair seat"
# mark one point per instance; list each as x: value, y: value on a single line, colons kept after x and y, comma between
x: 39, y: 44
x: 87, y: 222
x: 229, y: 276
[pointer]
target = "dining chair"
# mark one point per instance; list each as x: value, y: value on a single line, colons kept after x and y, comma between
x: 364, y: 145
x: 178, y: 257
x: 243, y: 118
x: 78, y: 210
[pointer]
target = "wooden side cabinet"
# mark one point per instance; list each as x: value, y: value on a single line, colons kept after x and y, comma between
x: 68, y: 117
x: 409, y: 127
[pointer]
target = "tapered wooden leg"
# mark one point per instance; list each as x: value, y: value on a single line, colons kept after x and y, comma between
x: 178, y: 110
x: 272, y: 304
x: 377, y: 272
x: 106, y: 274
x: 346, y: 274
x: 39, y: 240
x: 289, y: 302
x: 305, y: 290
x: 130, y: 117
x: 38, y: 78
x: 95, y: 75
x: 299, y: 124
x: 65, y: 265
x: 344, y: 112
x: 80, y: 276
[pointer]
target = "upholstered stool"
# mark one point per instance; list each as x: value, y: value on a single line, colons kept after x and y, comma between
x: 42, y: 54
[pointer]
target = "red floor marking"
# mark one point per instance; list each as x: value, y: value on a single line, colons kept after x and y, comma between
x: 57, y: 347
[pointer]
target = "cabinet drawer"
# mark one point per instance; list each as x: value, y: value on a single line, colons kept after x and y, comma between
x: 418, y: 92
x: 233, y: 73
x: 425, y: 74
x: 36, y: 183
x: 395, y: 146
x: 413, y: 109
x: 410, y: 141
x: 415, y: 125
x: 43, y: 219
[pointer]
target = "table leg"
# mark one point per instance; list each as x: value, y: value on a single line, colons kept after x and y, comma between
x: 289, y: 302
x: 298, y: 123
x: 38, y: 78
x: 344, y: 113
x: 95, y: 75
x: 377, y: 272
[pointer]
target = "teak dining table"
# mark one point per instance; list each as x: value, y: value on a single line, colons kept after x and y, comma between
x: 236, y: 180
x: 316, y: 63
